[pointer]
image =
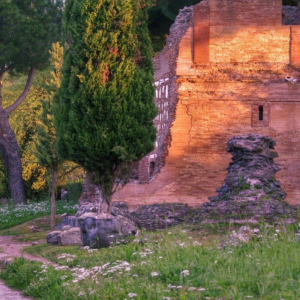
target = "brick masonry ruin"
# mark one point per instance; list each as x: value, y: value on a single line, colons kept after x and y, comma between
x: 227, y: 69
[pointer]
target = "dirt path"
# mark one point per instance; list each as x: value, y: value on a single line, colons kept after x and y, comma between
x: 9, y: 250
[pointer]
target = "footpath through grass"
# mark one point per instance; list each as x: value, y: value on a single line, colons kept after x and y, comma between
x: 12, y: 215
x: 180, y: 263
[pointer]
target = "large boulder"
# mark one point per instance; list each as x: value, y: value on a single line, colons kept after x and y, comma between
x: 103, y: 230
x: 70, y: 237
x: 67, y: 237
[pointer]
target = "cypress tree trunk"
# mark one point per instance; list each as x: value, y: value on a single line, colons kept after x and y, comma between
x: 10, y: 151
x: 104, y: 202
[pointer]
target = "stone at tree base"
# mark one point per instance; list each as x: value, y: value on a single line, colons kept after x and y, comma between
x: 68, y: 221
x: 68, y: 237
x: 53, y: 238
x: 118, y: 208
x: 250, y: 189
x: 103, y: 230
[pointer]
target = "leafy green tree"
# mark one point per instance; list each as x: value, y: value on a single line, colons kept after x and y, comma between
x: 27, y: 29
x: 104, y: 115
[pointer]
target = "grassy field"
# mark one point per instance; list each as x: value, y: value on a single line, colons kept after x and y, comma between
x: 180, y: 263
x: 11, y: 215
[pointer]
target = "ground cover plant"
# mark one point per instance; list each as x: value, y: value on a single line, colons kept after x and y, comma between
x: 12, y: 215
x: 179, y: 263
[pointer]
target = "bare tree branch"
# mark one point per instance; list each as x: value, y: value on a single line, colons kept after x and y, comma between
x: 69, y: 171
x: 12, y: 107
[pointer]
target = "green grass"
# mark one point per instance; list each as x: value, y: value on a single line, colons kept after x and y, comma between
x: 23, y: 233
x: 14, y: 215
x: 180, y: 263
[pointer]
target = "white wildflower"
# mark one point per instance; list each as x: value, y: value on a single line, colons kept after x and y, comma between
x: 185, y: 273
x: 170, y: 286
x: 153, y: 274
x: 131, y: 295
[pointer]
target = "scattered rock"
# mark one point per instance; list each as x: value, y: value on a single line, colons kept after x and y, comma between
x: 32, y: 229
x: 236, y: 239
x: 103, y: 230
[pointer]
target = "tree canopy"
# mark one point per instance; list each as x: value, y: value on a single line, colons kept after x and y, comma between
x: 27, y: 30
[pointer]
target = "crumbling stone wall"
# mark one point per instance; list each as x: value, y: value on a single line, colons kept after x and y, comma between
x: 165, y: 64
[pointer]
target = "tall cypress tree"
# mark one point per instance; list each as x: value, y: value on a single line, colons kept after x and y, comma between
x: 104, y: 115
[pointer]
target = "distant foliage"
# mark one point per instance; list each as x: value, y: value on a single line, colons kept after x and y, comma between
x: 161, y: 16
x: 290, y: 2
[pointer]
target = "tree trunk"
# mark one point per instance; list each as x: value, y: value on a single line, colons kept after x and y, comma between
x: 9, y: 148
x: 10, y: 151
x: 104, y: 202
x: 54, y: 173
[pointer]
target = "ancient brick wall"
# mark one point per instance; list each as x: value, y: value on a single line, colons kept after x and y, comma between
x: 251, y: 30
x: 222, y: 109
